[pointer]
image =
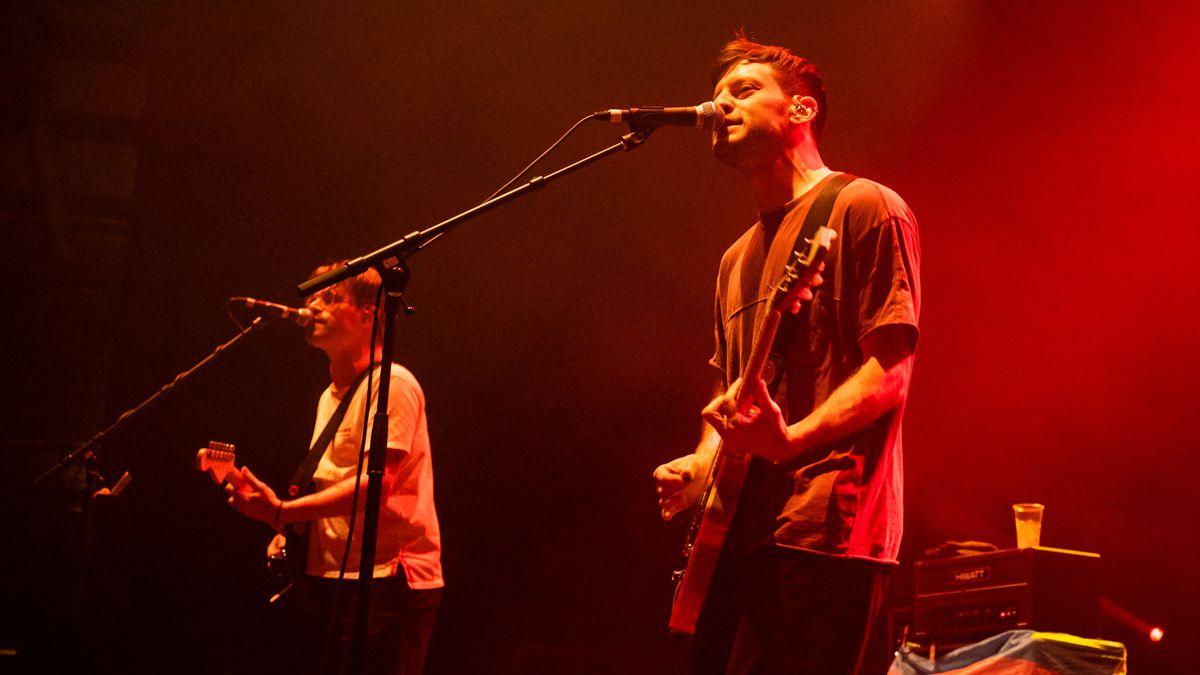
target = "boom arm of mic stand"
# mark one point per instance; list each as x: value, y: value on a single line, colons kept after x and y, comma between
x: 412, y: 242
x: 86, y: 450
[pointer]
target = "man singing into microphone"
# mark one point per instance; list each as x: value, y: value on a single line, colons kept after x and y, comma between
x: 802, y: 572
x: 407, y: 579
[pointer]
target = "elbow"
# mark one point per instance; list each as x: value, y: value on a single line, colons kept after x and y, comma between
x: 889, y: 355
x: 897, y: 381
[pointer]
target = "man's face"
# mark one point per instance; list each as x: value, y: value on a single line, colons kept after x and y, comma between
x: 338, y: 323
x: 756, y: 128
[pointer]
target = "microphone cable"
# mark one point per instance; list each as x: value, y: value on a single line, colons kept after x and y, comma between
x: 537, y: 159
x: 229, y: 305
x: 229, y: 310
x: 520, y: 173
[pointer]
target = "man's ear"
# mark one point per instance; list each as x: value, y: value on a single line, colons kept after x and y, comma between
x: 368, y: 315
x: 804, y: 109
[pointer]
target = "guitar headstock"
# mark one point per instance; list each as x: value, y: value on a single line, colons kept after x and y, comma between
x: 217, y: 459
x: 803, y: 267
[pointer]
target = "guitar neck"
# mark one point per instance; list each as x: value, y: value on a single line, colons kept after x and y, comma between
x: 798, y: 276
x: 763, y: 340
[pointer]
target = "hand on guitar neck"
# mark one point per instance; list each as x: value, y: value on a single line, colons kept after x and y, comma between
x: 218, y: 460
x: 749, y: 418
x: 253, y: 498
x: 249, y: 495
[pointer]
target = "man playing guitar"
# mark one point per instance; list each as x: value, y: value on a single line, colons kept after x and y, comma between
x: 407, y: 579
x: 800, y: 574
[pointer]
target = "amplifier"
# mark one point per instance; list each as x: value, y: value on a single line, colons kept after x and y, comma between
x: 964, y: 599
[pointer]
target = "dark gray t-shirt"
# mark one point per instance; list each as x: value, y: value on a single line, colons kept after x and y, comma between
x: 844, y: 499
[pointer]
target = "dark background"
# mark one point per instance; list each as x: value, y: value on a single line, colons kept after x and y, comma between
x: 161, y: 157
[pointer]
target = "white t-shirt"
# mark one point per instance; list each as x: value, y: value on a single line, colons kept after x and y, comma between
x: 408, y: 537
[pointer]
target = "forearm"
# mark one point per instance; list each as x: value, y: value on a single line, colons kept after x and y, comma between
x: 866, y: 396
x: 335, y: 500
x: 710, y: 440
x: 681, y: 481
x: 705, y: 452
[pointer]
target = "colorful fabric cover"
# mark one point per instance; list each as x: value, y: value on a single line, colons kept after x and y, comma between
x: 1020, y: 652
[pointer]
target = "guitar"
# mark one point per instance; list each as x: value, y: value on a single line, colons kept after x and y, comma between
x: 218, y: 459
x: 710, y: 524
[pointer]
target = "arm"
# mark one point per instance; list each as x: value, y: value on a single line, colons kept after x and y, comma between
x: 257, y: 500
x: 681, y: 482
x: 336, y: 499
x: 877, y: 387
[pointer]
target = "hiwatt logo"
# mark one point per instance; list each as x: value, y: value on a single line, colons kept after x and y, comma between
x: 967, y: 576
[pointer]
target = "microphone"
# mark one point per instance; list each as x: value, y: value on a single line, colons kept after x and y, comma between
x: 707, y: 115
x: 301, y: 316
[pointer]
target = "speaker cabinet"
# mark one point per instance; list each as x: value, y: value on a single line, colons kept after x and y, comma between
x: 964, y: 599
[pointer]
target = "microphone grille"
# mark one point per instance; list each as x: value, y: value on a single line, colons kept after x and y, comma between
x: 711, y: 115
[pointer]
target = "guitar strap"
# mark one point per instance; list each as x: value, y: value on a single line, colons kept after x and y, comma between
x: 817, y: 217
x: 302, y: 479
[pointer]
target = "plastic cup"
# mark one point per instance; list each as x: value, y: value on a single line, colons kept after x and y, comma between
x: 1029, y: 524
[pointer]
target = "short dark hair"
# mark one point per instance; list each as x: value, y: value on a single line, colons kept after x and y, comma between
x: 362, y: 289
x: 796, y: 74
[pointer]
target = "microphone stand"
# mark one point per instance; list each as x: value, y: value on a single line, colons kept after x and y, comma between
x: 389, y: 262
x: 87, y: 453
